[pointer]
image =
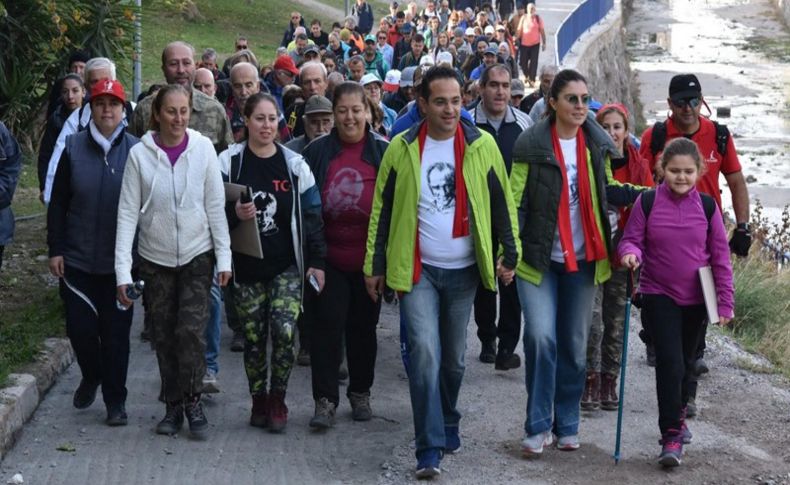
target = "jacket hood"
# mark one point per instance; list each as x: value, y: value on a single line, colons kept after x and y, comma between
x: 148, y: 141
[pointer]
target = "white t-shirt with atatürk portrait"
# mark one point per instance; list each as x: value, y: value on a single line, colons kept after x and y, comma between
x: 436, y: 211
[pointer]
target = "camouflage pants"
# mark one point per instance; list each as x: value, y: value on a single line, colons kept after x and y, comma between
x: 605, y: 344
x: 178, y: 307
x: 269, y: 308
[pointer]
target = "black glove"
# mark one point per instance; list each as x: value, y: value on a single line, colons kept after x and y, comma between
x: 741, y: 240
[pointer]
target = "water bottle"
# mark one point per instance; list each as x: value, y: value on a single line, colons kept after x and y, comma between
x: 133, y: 292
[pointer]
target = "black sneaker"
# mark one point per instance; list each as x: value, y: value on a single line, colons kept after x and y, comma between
x: 701, y: 367
x: 488, y: 352
x: 173, y: 420
x: 193, y: 409
x: 507, y: 361
x: 85, y: 394
x: 116, y: 415
x: 237, y: 342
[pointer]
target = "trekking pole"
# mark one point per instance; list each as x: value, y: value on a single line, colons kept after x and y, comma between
x: 623, y: 359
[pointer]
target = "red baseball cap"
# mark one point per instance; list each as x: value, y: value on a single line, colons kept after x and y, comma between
x: 108, y: 87
x: 286, y: 64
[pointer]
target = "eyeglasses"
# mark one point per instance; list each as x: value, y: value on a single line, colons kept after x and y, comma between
x: 383, y: 37
x: 691, y: 102
x: 240, y: 47
x: 575, y: 100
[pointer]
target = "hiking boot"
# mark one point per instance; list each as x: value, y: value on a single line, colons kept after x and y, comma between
x: 85, y: 394
x: 701, y: 367
x: 173, y: 420
x: 259, y: 417
x: 452, y: 442
x: 303, y: 357
x: 609, y: 400
x: 278, y: 412
x: 691, y: 407
x: 568, y: 443
x: 116, y: 415
x: 591, y: 399
x: 487, y: 352
x: 210, y: 382
x: 533, y: 444
x: 671, y: 448
x: 193, y: 409
x: 360, y: 406
x: 507, y: 361
x: 324, y: 416
x: 650, y: 355
x: 428, y: 463
x: 237, y: 342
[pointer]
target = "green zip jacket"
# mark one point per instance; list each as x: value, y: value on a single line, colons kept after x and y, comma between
x: 392, y: 231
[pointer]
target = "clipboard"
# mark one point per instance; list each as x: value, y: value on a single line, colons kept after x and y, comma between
x: 709, y: 293
x: 246, y: 237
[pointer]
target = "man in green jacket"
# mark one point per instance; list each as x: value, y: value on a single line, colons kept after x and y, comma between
x: 441, y: 191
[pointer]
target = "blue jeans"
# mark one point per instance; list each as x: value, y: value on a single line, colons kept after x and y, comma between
x: 213, y: 326
x: 436, y: 313
x: 556, y: 324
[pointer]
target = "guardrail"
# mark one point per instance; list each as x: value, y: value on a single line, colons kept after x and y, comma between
x: 577, y: 22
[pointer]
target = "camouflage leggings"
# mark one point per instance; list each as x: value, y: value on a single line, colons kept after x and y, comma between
x: 605, y: 344
x: 265, y: 308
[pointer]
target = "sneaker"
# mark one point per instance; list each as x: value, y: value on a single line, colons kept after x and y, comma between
x: 278, y: 412
x: 671, y: 448
x: 193, y: 409
x: 685, y: 432
x: 452, y: 442
x: 701, y: 367
x: 568, y: 443
x: 210, y: 382
x: 691, y: 407
x: 507, y: 361
x: 237, y: 342
x: 609, y: 399
x: 259, y: 417
x: 116, y: 415
x: 85, y: 394
x: 303, y: 357
x: 173, y: 420
x: 591, y: 399
x: 487, y: 352
x: 650, y: 355
x: 360, y: 406
x: 533, y: 445
x: 324, y: 416
x: 428, y: 463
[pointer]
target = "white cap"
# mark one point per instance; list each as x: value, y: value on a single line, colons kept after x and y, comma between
x: 469, y: 31
x: 369, y: 78
x: 426, y: 60
x: 489, y: 29
x: 444, y: 57
x: 392, y: 80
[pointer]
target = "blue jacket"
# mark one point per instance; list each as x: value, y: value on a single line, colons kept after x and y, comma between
x: 413, y: 117
x: 10, y: 165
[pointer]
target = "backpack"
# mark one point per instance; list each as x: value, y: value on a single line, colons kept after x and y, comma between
x: 649, y: 197
x: 659, y: 138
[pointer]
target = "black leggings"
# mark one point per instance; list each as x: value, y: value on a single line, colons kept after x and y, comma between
x: 528, y: 58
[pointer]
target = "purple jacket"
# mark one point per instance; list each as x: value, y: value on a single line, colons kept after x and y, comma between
x: 675, y: 244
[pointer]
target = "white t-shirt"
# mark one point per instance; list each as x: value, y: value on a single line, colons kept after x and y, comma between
x: 569, y: 154
x: 436, y: 210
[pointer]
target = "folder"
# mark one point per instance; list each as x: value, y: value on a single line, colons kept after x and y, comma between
x: 709, y: 293
x: 246, y: 237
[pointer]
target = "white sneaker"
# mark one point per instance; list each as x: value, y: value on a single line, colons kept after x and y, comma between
x: 210, y: 382
x: 568, y: 443
x: 533, y: 445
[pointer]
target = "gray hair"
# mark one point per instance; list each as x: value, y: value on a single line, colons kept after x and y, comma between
x: 209, y: 53
x: 316, y: 64
x: 100, y: 63
x: 548, y: 69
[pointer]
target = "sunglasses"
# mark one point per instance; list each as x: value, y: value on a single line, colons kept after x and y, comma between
x: 575, y: 100
x: 240, y: 47
x: 691, y: 102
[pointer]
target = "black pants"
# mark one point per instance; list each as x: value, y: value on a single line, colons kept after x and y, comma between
x: 343, y: 306
x: 528, y: 58
x: 2, y: 248
x: 675, y: 331
x: 231, y: 316
x: 509, y: 328
x: 100, y: 338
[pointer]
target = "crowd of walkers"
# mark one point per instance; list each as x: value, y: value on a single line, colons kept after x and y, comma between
x: 403, y: 160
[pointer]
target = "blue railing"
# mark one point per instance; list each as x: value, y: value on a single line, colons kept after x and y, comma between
x: 583, y: 17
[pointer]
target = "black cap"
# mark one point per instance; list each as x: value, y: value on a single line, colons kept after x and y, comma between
x: 684, y: 86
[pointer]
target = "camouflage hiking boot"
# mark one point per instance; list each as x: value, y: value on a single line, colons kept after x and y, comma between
x: 324, y: 416
x: 360, y: 406
x: 278, y: 412
x: 193, y: 409
x: 591, y: 399
x: 609, y: 400
x: 259, y: 417
x: 173, y: 420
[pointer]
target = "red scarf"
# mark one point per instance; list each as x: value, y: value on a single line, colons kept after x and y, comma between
x: 461, y: 217
x: 593, y: 244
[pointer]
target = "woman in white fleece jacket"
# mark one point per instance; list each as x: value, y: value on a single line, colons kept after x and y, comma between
x: 172, y: 192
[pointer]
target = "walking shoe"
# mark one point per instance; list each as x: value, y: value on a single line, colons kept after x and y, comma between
x: 360, y: 406
x: 685, y: 432
x: 533, y: 445
x: 507, y: 361
x: 428, y: 463
x: 452, y: 442
x: 691, y: 407
x: 85, y: 394
x: 193, y: 409
x: 591, y: 399
x: 568, y: 443
x: 609, y: 400
x: 278, y: 412
x: 173, y: 420
x: 650, y: 355
x: 700, y: 367
x: 487, y: 352
x: 237, y: 342
x: 116, y: 415
x: 303, y: 357
x: 671, y: 448
x: 210, y: 382
x: 324, y: 416
x: 259, y: 417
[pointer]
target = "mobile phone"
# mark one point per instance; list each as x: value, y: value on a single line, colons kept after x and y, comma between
x: 246, y: 196
x: 314, y: 282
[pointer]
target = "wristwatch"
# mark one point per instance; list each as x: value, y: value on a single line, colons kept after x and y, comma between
x: 743, y: 226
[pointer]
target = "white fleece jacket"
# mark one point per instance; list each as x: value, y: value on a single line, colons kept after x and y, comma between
x: 179, y: 209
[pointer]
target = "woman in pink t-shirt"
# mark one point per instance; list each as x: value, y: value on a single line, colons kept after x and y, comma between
x: 531, y: 37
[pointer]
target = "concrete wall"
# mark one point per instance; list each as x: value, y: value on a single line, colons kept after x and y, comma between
x: 783, y: 6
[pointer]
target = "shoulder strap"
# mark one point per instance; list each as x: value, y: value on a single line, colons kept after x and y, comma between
x: 722, y: 137
x: 658, y: 138
x: 648, y: 197
x: 234, y: 168
x: 709, y: 206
